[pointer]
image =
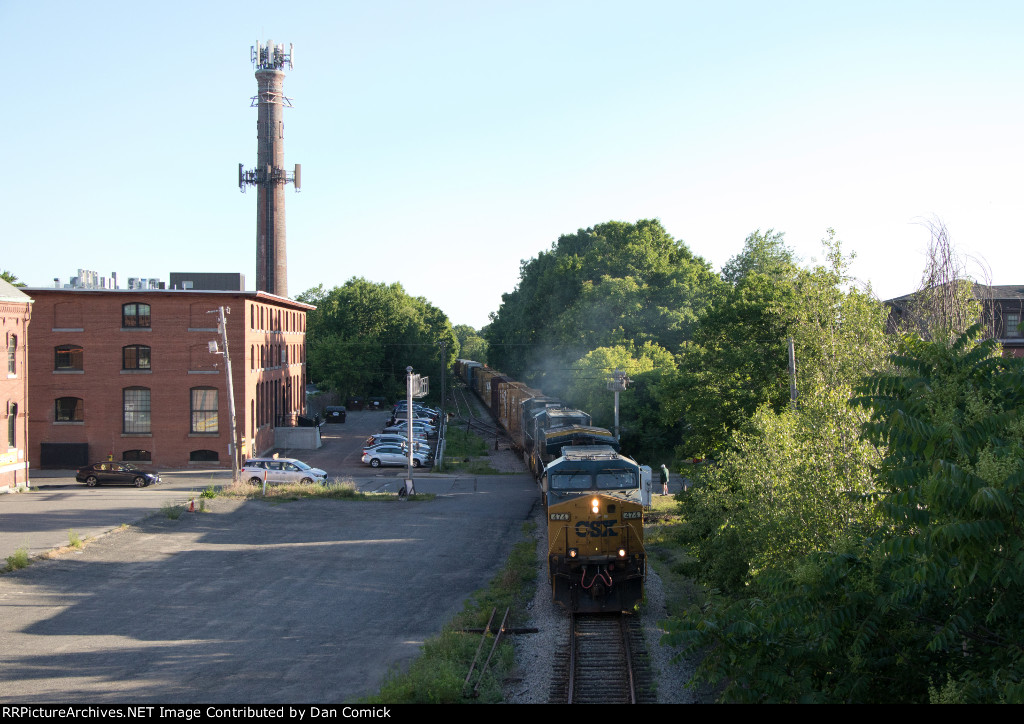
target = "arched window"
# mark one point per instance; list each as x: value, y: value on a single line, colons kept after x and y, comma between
x: 136, y: 357
x: 135, y: 315
x: 137, y: 412
x: 137, y: 456
x: 204, y: 409
x: 68, y: 409
x: 204, y: 456
x: 68, y: 357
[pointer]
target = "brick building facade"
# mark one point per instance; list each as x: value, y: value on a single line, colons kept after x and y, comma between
x: 129, y: 374
x: 15, y: 315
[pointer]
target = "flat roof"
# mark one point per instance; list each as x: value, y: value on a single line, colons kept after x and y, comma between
x: 264, y: 296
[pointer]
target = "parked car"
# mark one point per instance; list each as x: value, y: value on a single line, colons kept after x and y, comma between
x: 417, y: 426
x: 335, y: 413
x: 117, y: 473
x: 392, y: 455
x: 420, y: 446
x: 281, y: 470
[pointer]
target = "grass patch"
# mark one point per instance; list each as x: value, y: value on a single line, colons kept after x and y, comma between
x: 437, y: 676
x: 468, y: 467
x: 19, y: 560
x: 74, y: 540
x: 172, y: 511
x: 667, y: 553
x: 459, y: 443
x: 209, y: 492
x: 334, y: 490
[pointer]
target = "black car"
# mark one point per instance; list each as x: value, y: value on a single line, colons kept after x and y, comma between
x: 335, y: 413
x: 118, y: 474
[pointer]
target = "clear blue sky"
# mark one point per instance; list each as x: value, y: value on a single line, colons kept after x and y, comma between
x: 443, y: 142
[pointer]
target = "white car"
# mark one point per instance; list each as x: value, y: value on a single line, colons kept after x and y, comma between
x: 281, y: 470
x: 419, y: 444
x: 392, y: 455
x: 417, y: 427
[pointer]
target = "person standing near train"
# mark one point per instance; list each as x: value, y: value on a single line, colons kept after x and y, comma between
x: 664, y: 479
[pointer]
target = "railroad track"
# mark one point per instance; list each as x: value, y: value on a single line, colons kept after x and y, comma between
x: 467, y: 407
x: 604, y: 662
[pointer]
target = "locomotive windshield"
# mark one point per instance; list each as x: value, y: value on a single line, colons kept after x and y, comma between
x: 617, y: 479
x: 572, y: 481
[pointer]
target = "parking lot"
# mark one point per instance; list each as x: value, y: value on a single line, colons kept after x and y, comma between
x: 311, y: 601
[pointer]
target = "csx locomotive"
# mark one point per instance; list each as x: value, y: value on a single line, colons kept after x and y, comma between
x: 592, y: 494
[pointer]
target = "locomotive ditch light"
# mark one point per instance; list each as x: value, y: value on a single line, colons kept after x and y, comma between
x: 573, y: 552
x: 622, y: 552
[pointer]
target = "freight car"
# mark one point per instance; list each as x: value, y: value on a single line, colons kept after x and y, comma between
x: 596, y: 557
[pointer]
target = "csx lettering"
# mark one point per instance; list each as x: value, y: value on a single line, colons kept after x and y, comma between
x: 596, y: 529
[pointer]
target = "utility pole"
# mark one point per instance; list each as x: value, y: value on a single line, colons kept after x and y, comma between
x: 792, y: 374
x: 618, y: 384
x: 222, y: 327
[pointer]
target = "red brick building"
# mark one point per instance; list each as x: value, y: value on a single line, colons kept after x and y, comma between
x: 15, y: 314
x: 130, y: 374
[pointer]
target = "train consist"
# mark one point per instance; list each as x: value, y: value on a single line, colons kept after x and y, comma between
x: 596, y: 556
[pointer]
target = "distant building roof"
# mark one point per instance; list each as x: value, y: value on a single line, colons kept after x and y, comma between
x: 981, y: 291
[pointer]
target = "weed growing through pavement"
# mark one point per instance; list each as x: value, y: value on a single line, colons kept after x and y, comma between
x: 209, y: 492
x: 74, y: 540
x: 18, y: 560
x: 172, y: 511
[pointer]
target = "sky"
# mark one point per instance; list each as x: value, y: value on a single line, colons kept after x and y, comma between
x: 444, y: 142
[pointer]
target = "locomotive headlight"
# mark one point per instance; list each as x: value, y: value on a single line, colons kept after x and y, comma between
x: 594, y: 506
x: 573, y: 552
x: 622, y: 552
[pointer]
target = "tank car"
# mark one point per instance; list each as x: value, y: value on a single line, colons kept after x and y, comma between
x: 596, y: 557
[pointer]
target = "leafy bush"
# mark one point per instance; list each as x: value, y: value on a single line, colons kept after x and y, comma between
x: 925, y: 603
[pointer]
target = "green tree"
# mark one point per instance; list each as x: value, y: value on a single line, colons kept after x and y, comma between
x: 925, y: 601
x: 648, y: 425
x: 737, y: 360
x: 612, y: 284
x: 363, y: 335
x: 11, y: 279
x: 472, y: 345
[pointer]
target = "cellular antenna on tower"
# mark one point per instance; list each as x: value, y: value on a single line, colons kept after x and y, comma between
x: 269, y: 177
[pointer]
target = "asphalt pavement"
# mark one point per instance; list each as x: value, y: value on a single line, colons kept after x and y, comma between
x: 249, y: 602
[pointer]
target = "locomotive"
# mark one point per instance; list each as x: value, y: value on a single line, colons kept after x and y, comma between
x: 591, y: 493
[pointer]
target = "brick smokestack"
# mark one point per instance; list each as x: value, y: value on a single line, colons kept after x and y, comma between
x: 269, y: 176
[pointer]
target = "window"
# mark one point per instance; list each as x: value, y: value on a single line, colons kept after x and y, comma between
x: 204, y: 409
x: 1013, y: 324
x: 68, y: 409
x: 135, y: 357
x: 12, y: 355
x: 68, y: 357
x: 136, y: 456
x: 135, y: 315
x: 137, y: 410
x: 204, y: 456
x: 12, y: 424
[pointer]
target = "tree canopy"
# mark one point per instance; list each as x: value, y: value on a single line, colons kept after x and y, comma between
x: 363, y: 335
x: 609, y: 285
